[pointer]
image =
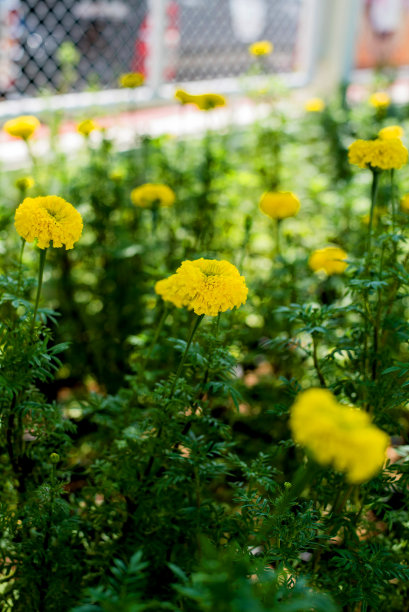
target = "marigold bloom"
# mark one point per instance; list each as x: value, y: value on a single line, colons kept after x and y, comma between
x: 24, y: 182
x: 87, y: 126
x: 380, y: 100
x: 206, y: 286
x: 314, y: 105
x: 391, y: 131
x: 279, y: 204
x: 261, y: 47
x: 22, y: 127
x: 331, y: 259
x: 339, y: 436
x: 131, y: 80
x: 381, y: 154
x: 206, y: 101
x: 48, y: 218
x: 150, y: 194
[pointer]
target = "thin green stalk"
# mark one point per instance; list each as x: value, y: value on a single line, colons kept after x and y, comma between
x: 374, y: 194
x: 277, y: 237
x: 193, y: 330
x: 20, y: 265
x: 156, y: 334
x: 43, y: 253
x: 316, y: 362
x: 393, y: 201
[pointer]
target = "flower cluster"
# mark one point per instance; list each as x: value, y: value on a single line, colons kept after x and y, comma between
x: 22, y: 127
x: 131, y: 80
x: 87, y: 126
x: 261, y: 47
x: 46, y: 219
x: 314, y: 105
x: 391, y: 131
x: 381, y: 153
x: 206, y: 286
x: 331, y: 259
x: 151, y: 194
x: 279, y: 204
x: 205, y: 102
x: 339, y: 436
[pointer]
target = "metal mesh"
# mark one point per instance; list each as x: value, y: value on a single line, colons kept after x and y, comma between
x: 202, y: 39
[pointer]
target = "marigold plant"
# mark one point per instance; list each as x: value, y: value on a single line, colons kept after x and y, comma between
x: 339, y: 436
x: 391, y: 131
x: 331, y: 259
x: 131, y: 80
x: 206, y: 286
x: 380, y: 100
x: 152, y: 194
x: 314, y: 105
x: 87, y: 126
x: 48, y: 219
x: 205, y: 102
x: 261, y: 47
x: 279, y: 204
x: 380, y: 154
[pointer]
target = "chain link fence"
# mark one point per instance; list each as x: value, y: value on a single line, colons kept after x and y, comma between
x: 73, y: 45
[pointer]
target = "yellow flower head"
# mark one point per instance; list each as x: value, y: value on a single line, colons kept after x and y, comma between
x: 117, y: 175
x: 261, y: 47
x: 391, y: 131
x: 339, y: 436
x: 131, y: 80
x: 279, y: 204
x: 150, y: 194
x: 314, y: 105
x: 48, y: 218
x: 25, y: 182
x: 22, y: 127
x: 331, y: 259
x: 380, y: 100
x: 381, y: 154
x: 206, y: 286
x: 87, y: 126
x: 205, y: 102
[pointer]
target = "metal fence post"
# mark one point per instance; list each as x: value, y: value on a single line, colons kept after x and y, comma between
x: 157, y: 17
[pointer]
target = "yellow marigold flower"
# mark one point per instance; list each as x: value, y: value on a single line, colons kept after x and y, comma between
x: 314, y: 105
x: 404, y: 203
x: 48, y: 218
x: 22, y: 127
x: 206, y: 101
x: 117, y: 175
x: 131, y: 79
x: 206, y: 286
x: 150, y: 194
x: 339, y: 436
x: 87, y: 126
x: 380, y: 100
x: 331, y: 259
x: 279, y: 204
x: 25, y: 182
x: 391, y: 131
x: 261, y: 47
x: 382, y: 154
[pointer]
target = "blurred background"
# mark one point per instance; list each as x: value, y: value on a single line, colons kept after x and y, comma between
x: 60, y: 46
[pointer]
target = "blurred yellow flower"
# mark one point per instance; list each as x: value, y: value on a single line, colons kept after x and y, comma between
x: 87, y: 126
x: 25, y: 182
x: 391, y: 131
x: 314, y: 105
x: 380, y: 100
x: 22, y: 127
x: 151, y: 194
x: 206, y: 286
x: 261, y: 47
x: 131, y: 79
x: 205, y: 102
x: 342, y: 437
x: 117, y: 175
x: 279, y: 204
x: 331, y: 259
x: 382, y: 154
x: 48, y: 218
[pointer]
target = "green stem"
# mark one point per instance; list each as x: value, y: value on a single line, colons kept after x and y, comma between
x: 20, y: 265
x: 43, y: 253
x: 316, y: 362
x: 156, y: 335
x: 30, y: 152
x: 277, y: 237
x: 195, y: 325
x: 393, y: 201
x: 374, y: 193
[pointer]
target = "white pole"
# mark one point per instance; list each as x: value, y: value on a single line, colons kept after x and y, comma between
x: 157, y: 16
